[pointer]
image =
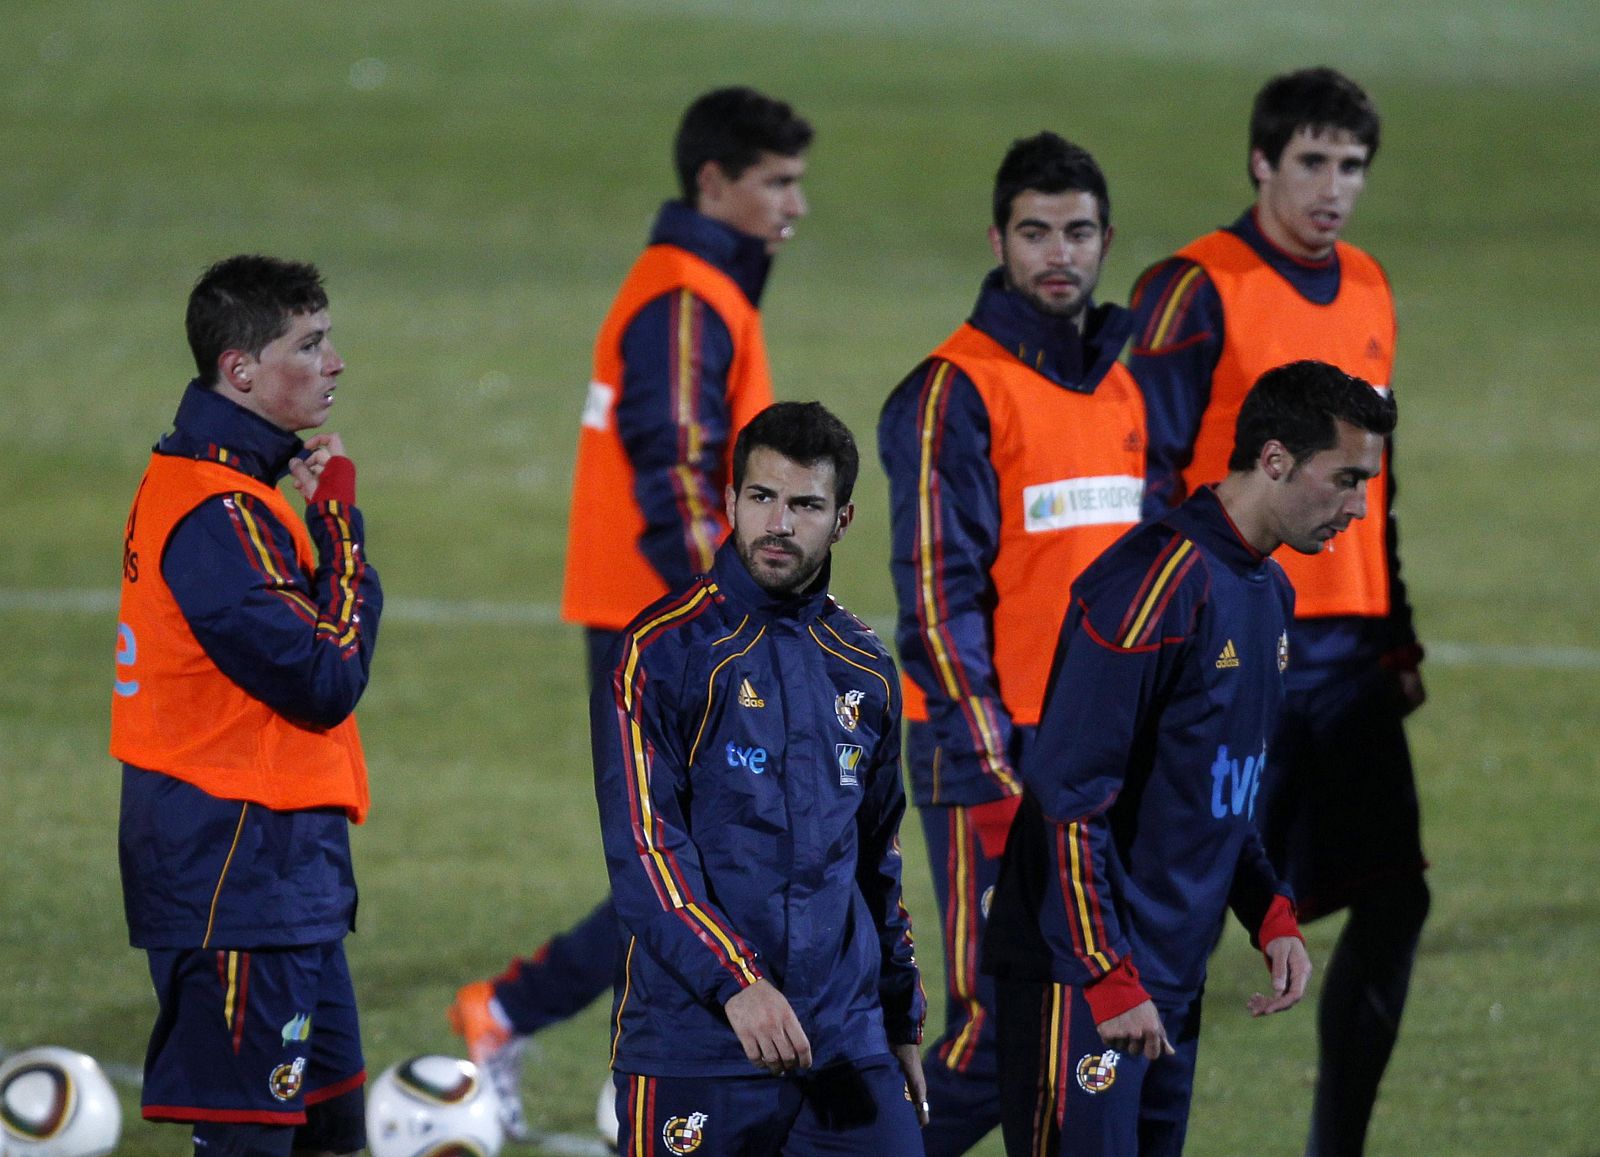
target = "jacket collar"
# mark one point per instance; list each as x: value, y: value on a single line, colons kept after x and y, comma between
x: 744, y: 594
x: 1053, y: 346
x: 1316, y: 281
x: 208, y: 424
x: 741, y: 256
x: 1204, y: 519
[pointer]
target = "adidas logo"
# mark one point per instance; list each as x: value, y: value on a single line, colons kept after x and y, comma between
x: 748, y: 696
x: 1229, y: 656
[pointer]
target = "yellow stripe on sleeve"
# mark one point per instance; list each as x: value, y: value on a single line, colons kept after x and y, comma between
x: 1156, y: 593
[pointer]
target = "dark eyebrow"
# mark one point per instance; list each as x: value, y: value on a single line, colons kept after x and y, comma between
x: 1069, y: 226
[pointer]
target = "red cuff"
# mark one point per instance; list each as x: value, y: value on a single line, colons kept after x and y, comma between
x: 992, y: 822
x: 1279, y: 921
x: 1115, y: 992
x: 337, y: 482
x: 1406, y: 658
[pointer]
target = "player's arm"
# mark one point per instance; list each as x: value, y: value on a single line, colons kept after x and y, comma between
x: 674, y: 420
x: 1178, y: 332
x: 657, y: 875
x: 878, y: 876
x: 302, y: 644
x: 1123, y: 642
x: 944, y: 500
x: 1402, y: 652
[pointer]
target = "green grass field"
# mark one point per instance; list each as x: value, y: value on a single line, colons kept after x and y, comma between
x: 474, y: 178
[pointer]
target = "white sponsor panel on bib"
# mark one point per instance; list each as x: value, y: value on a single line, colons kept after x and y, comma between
x: 597, y: 408
x: 1069, y: 502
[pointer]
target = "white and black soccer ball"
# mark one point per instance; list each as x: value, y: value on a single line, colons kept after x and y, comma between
x: 433, y: 1106
x: 605, y: 1112
x: 56, y: 1103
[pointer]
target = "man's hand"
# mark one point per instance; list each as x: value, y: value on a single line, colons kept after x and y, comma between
x: 1291, y: 969
x: 768, y: 1029
x: 1412, y: 693
x: 910, y: 1058
x: 304, y: 472
x: 1137, y: 1032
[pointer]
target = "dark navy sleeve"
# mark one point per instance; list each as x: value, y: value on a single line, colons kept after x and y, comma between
x: 1178, y: 333
x: 641, y: 783
x: 301, y: 643
x: 1124, y: 640
x: 944, y: 507
x: 878, y: 875
x: 1401, y: 648
x: 674, y: 420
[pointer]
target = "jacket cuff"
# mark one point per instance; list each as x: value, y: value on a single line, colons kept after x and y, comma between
x: 337, y: 482
x: 730, y: 985
x: 1403, y: 658
x: 1115, y: 992
x: 1278, y: 922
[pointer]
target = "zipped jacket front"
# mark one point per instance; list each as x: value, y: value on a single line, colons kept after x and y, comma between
x: 747, y: 769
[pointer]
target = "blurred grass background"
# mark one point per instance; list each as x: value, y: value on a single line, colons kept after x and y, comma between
x: 474, y: 178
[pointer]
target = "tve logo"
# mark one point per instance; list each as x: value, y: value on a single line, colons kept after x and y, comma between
x: 1242, y: 783
x: 755, y: 758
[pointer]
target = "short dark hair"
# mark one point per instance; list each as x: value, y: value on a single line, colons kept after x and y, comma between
x: 733, y: 127
x: 1047, y: 163
x: 1297, y: 404
x: 245, y: 303
x: 804, y: 432
x: 1316, y: 99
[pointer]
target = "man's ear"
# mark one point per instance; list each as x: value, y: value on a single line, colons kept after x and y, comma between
x: 997, y: 244
x: 710, y: 184
x: 236, y: 368
x: 1260, y: 168
x: 842, y: 520
x: 1275, y: 460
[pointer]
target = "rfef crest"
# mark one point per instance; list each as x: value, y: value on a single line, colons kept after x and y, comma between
x: 684, y: 1134
x: 1097, y: 1072
x: 848, y: 709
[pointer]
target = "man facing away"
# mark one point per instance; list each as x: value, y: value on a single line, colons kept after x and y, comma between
x: 680, y: 366
x: 245, y: 639
x: 1137, y: 826
x: 747, y: 769
x: 1015, y: 455
x: 1340, y: 815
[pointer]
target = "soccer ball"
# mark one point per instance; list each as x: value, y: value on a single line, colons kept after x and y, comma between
x: 56, y: 1103
x: 433, y: 1106
x: 605, y: 1113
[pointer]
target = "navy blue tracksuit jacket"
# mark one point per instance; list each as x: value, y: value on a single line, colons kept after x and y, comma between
x: 747, y: 768
x: 1137, y: 829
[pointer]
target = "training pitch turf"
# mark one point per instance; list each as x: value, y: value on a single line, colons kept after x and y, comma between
x: 475, y: 177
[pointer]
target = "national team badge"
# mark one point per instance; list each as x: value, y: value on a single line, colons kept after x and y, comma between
x: 1097, y: 1072
x: 1283, y: 652
x: 286, y: 1079
x: 848, y: 708
x: 298, y: 1029
x: 684, y: 1134
x: 849, y: 759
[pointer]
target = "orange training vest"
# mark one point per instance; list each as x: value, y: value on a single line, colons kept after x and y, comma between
x: 1070, y: 468
x: 1269, y: 324
x: 173, y: 711
x: 608, y: 578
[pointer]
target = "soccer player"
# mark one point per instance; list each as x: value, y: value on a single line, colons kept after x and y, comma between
x: 1015, y: 455
x: 679, y: 367
x: 244, y: 641
x: 747, y: 768
x: 1137, y: 823
x: 1340, y: 814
